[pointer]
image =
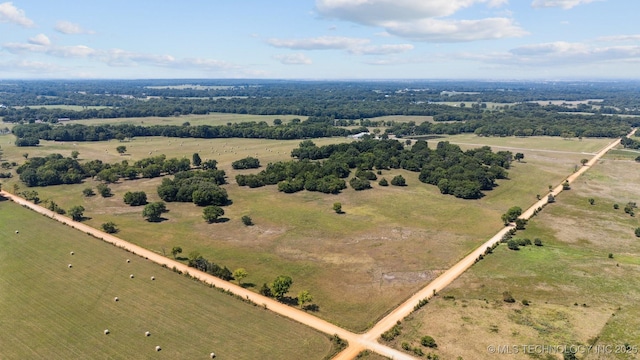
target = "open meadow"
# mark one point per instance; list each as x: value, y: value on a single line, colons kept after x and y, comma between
x: 57, y: 297
x: 389, y: 242
x: 212, y: 119
x: 579, y: 286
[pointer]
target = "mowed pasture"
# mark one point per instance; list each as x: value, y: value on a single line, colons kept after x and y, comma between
x: 578, y: 293
x: 51, y: 310
x: 358, y: 265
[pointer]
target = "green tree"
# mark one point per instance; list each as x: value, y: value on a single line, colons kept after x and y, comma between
x: 76, y: 212
x: 513, y: 245
x: 175, y: 251
x: 592, y: 201
x: 383, y: 182
x: 239, y: 274
x: 337, y: 207
x: 109, y: 227
x: 88, y: 192
x: 511, y: 215
x: 104, y: 190
x: 584, y: 161
x: 566, y: 185
x: 537, y: 242
x: 520, y: 224
x: 121, y: 149
x: 304, y: 297
x: 211, y: 213
x: 153, y: 211
x: 638, y: 232
x: 265, y: 290
x: 75, y: 154
x: 247, y: 220
x: 398, y: 181
x: 518, y: 156
x: 551, y: 199
x: 135, y: 198
x: 280, y: 286
x: 196, y: 160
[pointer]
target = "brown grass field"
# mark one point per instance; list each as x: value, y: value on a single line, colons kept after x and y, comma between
x: 358, y: 265
x: 579, y: 295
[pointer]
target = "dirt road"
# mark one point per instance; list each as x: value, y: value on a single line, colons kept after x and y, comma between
x: 357, y: 342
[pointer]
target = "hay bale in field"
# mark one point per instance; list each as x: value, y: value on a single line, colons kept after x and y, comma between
x: 128, y: 261
x: 131, y: 276
x: 153, y: 278
x: 70, y: 266
x: 116, y: 299
x: 213, y: 355
x: 106, y: 331
x: 158, y: 348
x: 17, y: 231
x: 72, y: 253
x: 146, y: 333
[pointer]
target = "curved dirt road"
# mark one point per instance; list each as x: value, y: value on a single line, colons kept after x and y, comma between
x: 357, y: 342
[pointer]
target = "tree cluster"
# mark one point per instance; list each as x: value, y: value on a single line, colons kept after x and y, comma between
x: 198, y: 186
x: 202, y: 264
x: 246, y: 163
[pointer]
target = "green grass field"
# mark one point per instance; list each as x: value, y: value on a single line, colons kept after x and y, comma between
x: 578, y: 294
x: 358, y: 265
x: 48, y: 310
x: 210, y: 119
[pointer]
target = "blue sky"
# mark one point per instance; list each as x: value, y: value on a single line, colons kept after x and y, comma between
x: 321, y: 39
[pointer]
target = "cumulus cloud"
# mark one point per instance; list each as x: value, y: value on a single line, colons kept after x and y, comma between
x: 435, y: 30
x: 69, y: 28
x: 619, y: 38
x: 422, y: 20
x: 293, y: 59
x: 11, y: 14
x: 565, y: 4
x: 355, y: 46
x: 40, y: 39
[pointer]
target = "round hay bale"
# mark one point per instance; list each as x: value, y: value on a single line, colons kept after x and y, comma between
x: 131, y: 276
x: 153, y: 278
x: 72, y: 253
x: 116, y: 299
x: 158, y: 348
x: 146, y: 333
x: 70, y: 266
x: 17, y: 231
x: 106, y: 331
x: 128, y: 261
x: 213, y: 355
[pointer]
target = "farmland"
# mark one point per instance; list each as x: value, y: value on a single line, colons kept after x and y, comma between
x: 52, y: 310
x: 383, y: 248
x: 577, y: 285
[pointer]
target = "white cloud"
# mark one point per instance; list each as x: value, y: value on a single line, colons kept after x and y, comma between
x: 11, y: 14
x: 40, y: 39
x: 619, y: 38
x: 372, y: 12
x: 36, y: 67
x: 69, y: 28
x: 435, y: 30
x: 355, y: 46
x: 318, y: 43
x: 565, y: 4
x: 293, y: 59
x: 423, y: 20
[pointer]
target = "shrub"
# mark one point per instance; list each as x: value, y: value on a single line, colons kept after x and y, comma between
x: 383, y: 182
x: 525, y: 302
x: 109, y: 227
x: 359, y: 184
x: 638, y: 232
x: 506, y: 297
x: 610, y: 255
x: 513, y: 245
x: 592, y: 201
x: 135, y: 198
x: 211, y: 213
x: 537, y: 242
x: 88, y: 192
x: 616, y: 206
x: 247, y: 220
x: 246, y: 163
x: 104, y: 190
x: 428, y: 341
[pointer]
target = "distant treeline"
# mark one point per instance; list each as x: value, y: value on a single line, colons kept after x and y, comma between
x: 311, y: 128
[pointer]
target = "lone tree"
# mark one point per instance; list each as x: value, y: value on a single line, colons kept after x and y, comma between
x: 121, y: 149
x: 135, y: 198
x: 511, y: 214
x: 75, y: 154
x: 239, y: 274
x: 428, y: 341
x: 398, y: 181
x: 77, y: 212
x: 638, y: 232
x: 153, y: 211
x: 175, y: 251
x: 110, y: 227
x: 211, y: 213
x: 88, y: 192
x: 518, y: 156
x: 584, y: 161
x: 337, y: 207
x: 104, y: 190
x: 247, y: 220
x: 195, y: 160
x: 304, y: 297
x: 281, y: 285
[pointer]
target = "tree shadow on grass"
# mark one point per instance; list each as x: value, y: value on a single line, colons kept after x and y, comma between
x: 248, y: 285
x: 182, y: 258
x: 288, y: 300
x: 158, y: 220
x: 311, y: 307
